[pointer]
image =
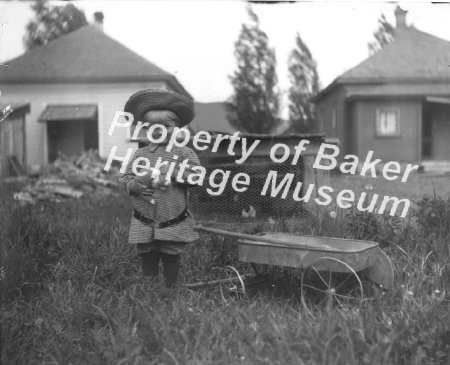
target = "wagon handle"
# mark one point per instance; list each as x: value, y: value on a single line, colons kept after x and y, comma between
x: 272, y: 241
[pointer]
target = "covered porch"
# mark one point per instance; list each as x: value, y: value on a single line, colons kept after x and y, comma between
x: 436, y: 134
x: 71, y: 129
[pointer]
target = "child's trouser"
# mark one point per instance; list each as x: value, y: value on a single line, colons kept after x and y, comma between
x: 168, y: 252
x: 171, y: 266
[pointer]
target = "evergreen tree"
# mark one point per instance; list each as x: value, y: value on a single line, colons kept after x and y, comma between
x: 304, y: 86
x: 52, y: 21
x: 382, y: 36
x: 254, y: 106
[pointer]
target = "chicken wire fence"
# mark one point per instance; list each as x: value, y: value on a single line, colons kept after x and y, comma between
x: 252, y: 205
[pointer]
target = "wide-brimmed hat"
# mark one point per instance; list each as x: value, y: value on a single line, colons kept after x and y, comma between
x: 156, y: 99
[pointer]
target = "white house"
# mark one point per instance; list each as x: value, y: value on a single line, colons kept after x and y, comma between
x: 74, y: 85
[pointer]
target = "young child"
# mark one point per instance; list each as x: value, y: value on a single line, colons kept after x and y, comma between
x: 161, y: 225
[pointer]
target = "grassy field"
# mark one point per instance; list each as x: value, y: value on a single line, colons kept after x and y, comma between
x: 72, y: 291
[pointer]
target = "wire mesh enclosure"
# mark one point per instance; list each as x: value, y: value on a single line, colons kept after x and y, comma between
x: 267, y: 195
x: 266, y: 176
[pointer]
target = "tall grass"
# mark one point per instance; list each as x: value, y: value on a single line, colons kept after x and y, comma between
x: 72, y: 294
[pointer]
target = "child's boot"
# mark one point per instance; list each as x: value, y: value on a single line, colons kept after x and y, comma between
x: 171, y: 266
x: 150, y: 264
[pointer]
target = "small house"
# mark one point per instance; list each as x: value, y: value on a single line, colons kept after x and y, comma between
x: 74, y: 85
x: 395, y: 103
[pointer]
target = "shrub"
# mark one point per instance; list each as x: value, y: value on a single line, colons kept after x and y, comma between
x: 433, y: 216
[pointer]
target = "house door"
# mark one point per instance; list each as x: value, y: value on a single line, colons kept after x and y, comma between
x: 436, y: 131
x: 71, y: 138
x: 440, y: 135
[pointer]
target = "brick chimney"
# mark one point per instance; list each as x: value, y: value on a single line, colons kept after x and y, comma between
x: 98, y: 19
x: 400, y: 18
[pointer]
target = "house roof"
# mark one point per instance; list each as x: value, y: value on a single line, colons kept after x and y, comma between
x: 86, y: 55
x: 211, y: 117
x: 413, y: 56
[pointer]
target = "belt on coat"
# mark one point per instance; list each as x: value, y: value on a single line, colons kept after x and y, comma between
x: 183, y: 215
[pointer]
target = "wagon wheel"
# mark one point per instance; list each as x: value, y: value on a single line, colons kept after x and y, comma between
x: 233, y: 284
x: 330, y: 282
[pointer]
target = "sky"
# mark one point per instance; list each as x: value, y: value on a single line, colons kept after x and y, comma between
x: 194, y: 40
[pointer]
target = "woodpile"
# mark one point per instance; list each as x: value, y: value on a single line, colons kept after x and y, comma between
x: 70, y: 178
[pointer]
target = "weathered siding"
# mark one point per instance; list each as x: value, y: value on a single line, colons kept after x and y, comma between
x: 405, y: 148
x: 353, y: 128
x: 12, y: 142
x: 108, y: 97
x: 334, y: 101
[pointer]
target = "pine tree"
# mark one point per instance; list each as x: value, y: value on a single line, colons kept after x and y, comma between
x: 254, y: 106
x: 304, y: 86
x: 52, y: 21
x: 382, y: 36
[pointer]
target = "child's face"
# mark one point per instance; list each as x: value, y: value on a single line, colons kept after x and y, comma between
x: 169, y: 125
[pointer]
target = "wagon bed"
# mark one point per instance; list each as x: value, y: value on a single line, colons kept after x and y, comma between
x: 324, y: 253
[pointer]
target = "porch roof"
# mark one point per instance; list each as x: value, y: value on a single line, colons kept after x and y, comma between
x: 61, y: 113
x: 437, y: 100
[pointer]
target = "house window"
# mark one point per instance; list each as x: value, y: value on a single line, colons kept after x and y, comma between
x: 388, y: 123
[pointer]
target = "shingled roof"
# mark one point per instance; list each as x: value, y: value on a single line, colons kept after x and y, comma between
x: 413, y: 56
x: 86, y: 55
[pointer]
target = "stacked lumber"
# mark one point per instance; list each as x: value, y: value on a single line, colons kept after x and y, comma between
x: 70, y: 178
